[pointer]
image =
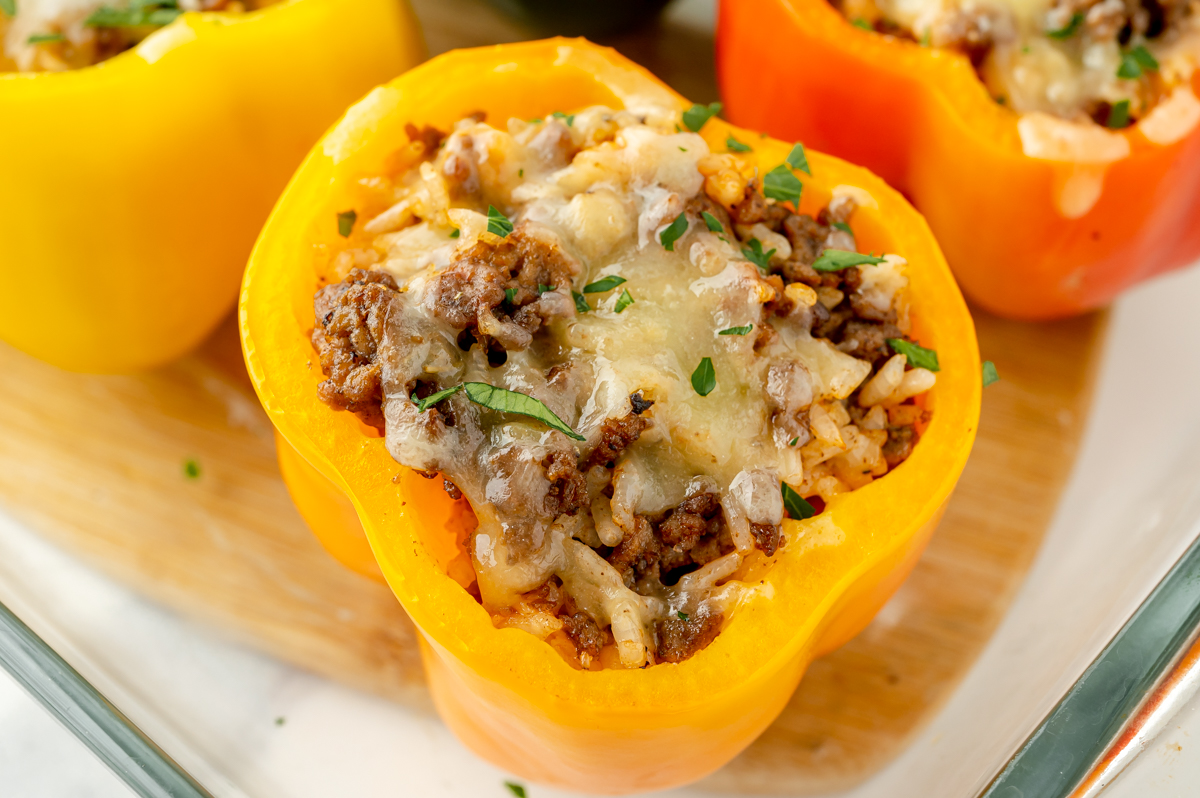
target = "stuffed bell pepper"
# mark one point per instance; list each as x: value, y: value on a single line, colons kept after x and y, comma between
x: 639, y: 411
x: 1053, y: 145
x: 144, y: 145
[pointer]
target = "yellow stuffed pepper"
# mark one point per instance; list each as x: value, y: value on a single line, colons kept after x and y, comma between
x: 643, y: 411
x: 144, y: 147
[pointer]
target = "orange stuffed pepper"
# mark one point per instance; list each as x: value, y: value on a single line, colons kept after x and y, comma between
x: 639, y: 411
x: 1053, y: 146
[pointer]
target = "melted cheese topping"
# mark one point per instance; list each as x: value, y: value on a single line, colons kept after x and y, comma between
x: 1032, y: 71
x: 606, y: 209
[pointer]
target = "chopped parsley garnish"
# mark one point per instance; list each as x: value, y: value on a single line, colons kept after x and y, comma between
x: 433, y: 399
x: 504, y: 401
x: 45, y: 38
x: 845, y: 228
x: 510, y: 295
x: 683, y: 149
x: 733, y: 145
x: 754, y: 253
x: 9, y: 7
x: 990, y: 374
x: 1118, y: 115
x: 1136, y: 61
x: 1068, y: 30
x: 623, y: 301
x: 695, y: 117
x: 581, y: 303
x: 191, y: 469
x: 798, y: 160
x: 918, y: 356
x: 138, y: 14
x: 859, y: 22
x: 279, y: 721
x: 834, y: 260
x: 683, y: 616
x: 795, y: 504
x: 924, y: 38
x: 346, y: 220
x: 520, y: 173
x: 780, y: 184
x: 498, y: 223
x: 794, y: 441
x: 455, y: 233
x: 674, y: 230
x: 704, y: 378
x: 536, y: 121
x: 515, y: 789
x: 544, y: 288
x: 713, y: 223
x: 603, y: 284
x: 736, y: 330
x: 568, y: 118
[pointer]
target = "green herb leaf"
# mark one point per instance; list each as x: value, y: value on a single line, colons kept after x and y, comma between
x: 45, y: 38
x: 498, y: 223
x: 520, y: 173
x: 795, y: 504
x: 138, y: 14
x: 695, y: 117
x: 754, y: 253
x: 834, y: 260
x: 9, y: 7
x: 346, y: 220
x: 674, y: 230
x: 683, y: 616
x: 515, y: 789
x: 713, y: 223
x: 506, y: 401
x: 603, y: 284
x: 1118, y: 115
x: 455, y: 233
x: 845, y: 228
x: 510, y: 295
x: 1130, y: 68
x: 925, y: 38
x: 279, y: 721
x: 780, y: 184
x: 990, y: 374
x: 568, y: 118
x: 433, y: 399
x: 704, y: 378
x: 191, y: 469
x: 918, y: 356
x: 733, y: 145
x: 1069, y: 30
x: 544, y: 288
x: 683, y: 149
x: 859, y: 22
x: 581, y: 303
x: 798, y: 160
x: 1145, y: 60
x: 536, y: 121
x: 623, y: 301
x: 736, y: 330
x: 794, y: 441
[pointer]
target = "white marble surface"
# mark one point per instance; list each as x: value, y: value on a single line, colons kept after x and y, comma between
x: 214, y: 705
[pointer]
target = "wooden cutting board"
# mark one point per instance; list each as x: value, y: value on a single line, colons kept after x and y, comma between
x: 99, y: 464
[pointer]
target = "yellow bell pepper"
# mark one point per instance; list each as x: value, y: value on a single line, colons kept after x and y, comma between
x: 508, y: 695
x: 132, y: 190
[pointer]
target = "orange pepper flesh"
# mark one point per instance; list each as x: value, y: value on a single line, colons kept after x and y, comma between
x: 922, y: 120
x: 508, y: 695
x: 132, y: 190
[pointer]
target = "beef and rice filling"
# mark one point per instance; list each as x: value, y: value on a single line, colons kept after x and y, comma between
x: 1104, y: 61
x: 607, y: 340
x: 58, y: 35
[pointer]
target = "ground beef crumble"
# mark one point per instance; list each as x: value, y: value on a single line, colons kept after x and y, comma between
x: 351, y: 316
